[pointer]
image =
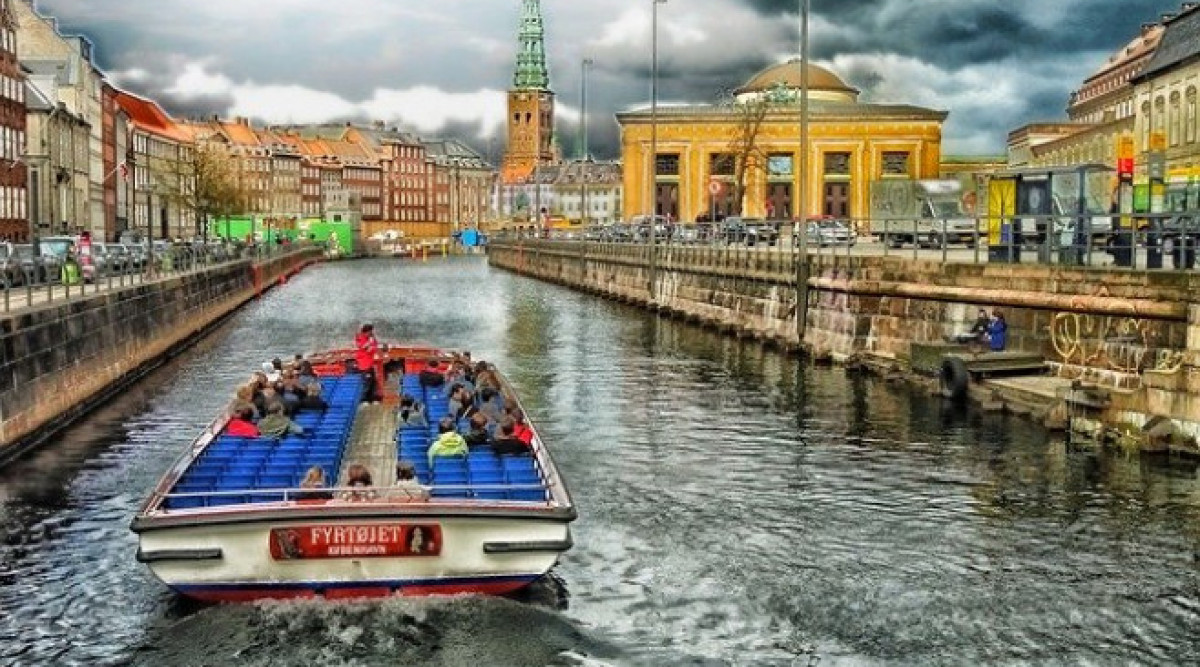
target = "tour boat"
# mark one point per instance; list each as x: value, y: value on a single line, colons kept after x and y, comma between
x: 228, y: 522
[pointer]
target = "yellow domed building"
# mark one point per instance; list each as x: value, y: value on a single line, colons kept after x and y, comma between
x: 851, y: 144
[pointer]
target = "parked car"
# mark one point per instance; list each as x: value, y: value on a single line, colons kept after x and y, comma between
x: 11, y: 272
x: 829, y: 232
x: 761, y: 231
x: 33, y: 271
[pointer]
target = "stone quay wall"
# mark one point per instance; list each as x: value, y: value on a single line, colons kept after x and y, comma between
x: 1132, y: 333
x: 59, y: 360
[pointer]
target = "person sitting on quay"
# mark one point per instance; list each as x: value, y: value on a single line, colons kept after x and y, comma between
x: 407, y: 488
x: 979, y: 330
x: 507, y: 443
x: 358, y: 479
x: 242, y: 424
x: 277, y: 424
x: 997, y: 332
x: 477, y: 434
x: 449, y: 443
x: 412, y: 413
x: 314, y: 485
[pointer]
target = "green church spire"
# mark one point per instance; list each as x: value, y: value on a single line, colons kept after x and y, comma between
x: 532, y: 73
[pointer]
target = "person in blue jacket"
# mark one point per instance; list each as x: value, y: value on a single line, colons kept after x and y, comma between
x: 997, y: 332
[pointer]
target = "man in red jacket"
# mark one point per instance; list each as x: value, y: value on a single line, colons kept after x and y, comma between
x: 366, y: 347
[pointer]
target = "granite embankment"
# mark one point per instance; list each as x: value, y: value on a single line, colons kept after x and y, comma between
x: 1131, y: 338
x: 59, y: 360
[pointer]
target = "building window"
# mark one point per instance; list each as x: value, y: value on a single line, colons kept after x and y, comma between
x: 780, y: 166
x: 837, y: 164
x: 721, y: 164
x: 1146, y: 122
x: 1173, y: 132
x: 895, y: 163
x: 667, y: 164
x: 1189, y: 120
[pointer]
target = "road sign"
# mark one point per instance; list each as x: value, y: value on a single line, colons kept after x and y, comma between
x: 714, y: 187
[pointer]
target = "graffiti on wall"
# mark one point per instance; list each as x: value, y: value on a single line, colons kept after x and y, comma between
x: 1122, y: 344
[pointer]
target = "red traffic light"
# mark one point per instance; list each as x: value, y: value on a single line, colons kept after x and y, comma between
x: 1125, y: 166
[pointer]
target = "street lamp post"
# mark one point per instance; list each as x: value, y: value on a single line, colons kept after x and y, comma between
x: 584, y: 67
x: 802, y: 198
x: 653, y: 142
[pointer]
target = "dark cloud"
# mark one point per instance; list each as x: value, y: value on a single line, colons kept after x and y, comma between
x: 1039, y: 50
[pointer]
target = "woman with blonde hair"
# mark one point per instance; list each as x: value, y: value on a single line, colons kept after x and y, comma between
x: 313, y: 482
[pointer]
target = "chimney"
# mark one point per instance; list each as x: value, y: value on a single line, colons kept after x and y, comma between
x: 1167, y: 16
x: 1147, y: 27
x: 380, y: 125
x: 1188, y: 6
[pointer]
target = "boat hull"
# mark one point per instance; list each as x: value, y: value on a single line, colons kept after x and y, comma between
x: 237, y: 562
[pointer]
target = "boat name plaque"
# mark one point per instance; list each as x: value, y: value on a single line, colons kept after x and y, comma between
x: 389, y: 540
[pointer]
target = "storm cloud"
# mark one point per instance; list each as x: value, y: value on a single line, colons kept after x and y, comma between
x: 442, y: 68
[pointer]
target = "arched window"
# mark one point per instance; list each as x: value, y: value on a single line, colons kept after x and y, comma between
x: 1145, y: 119
x: 1173, y: 131
x: 1189, y: 118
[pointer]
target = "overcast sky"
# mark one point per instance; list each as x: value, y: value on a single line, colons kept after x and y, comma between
x: 442, y: 66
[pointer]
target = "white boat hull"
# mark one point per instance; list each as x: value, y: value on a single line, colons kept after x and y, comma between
x: 236, y: 562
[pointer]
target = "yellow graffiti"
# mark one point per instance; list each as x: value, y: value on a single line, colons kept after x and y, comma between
x: 1115, y: 343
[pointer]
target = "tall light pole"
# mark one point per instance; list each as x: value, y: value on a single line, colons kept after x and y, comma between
x: 653, y: 140
x: 802, y: 198
x: 583, y: 140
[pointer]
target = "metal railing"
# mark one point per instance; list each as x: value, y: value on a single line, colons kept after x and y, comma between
x: 361, y: 494
x: 29, y: 281
x: 1154, y: 242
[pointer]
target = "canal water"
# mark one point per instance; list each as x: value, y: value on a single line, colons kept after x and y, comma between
x: 735, y: 508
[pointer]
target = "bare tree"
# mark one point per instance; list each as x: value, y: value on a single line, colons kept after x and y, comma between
x: 209, y: 184
x: 748, y: 156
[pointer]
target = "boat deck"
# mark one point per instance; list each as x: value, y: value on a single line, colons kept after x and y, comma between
x: 237, y: 471
x: 373, y: 444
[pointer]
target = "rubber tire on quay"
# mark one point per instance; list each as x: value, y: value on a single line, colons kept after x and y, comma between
x: 955, y: 379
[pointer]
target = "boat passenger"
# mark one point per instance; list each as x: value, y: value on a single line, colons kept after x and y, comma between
x: 485, y: 377
x: 462, y: 403
x: 276, y: 424
x: 358, y: 478
x: 412, y: 412
x: 313, y: 480
x: 245, y: 399
x: 491, y: 404
x: 242, y: 425
x: 522, y: 430
x: 366, y: 348
x: 431, y: 375
x: 307, y: 376
x: 407, y: 488
x: 311, y: 398
x: 477, y: 434
x: 449, y: 443
x: 507, y: 443
x: 269, y: 372
x: 266, y: 399
x: 290, y: 392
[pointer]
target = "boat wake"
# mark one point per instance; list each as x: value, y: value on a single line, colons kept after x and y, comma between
x: 433, y: 631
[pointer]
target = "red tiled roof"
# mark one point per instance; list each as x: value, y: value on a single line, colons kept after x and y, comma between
x: 149, y: 117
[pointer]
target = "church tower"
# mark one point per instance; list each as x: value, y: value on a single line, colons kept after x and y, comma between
x: 530, y: 101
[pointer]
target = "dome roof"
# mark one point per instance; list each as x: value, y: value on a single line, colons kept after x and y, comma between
x: 789, y: 75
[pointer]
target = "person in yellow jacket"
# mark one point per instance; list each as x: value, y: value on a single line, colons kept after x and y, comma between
x: 449, y: 443
x: 71, y: 274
